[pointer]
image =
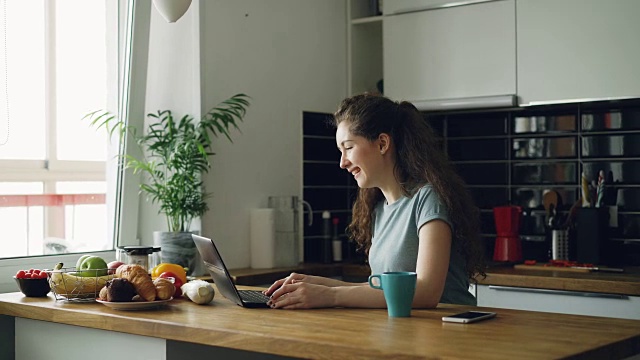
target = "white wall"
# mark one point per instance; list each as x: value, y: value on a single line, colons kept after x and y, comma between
x: 289, y: 56
x: 173, y: 83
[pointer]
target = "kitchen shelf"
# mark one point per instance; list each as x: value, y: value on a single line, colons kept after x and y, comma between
x: 536, y: 135
x: 524, y: 186
x: 326, y: 186
x: 324, y: 162
x: 524, y: 180
x: 610, y: 132
x: 625, y: 240
x: 366, y: 20
x: 609, y: 159
x: 322, y: 137
x: 364, y: 47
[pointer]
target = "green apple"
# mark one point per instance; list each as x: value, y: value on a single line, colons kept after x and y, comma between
x: 81, y: 259
x: 92, y: 266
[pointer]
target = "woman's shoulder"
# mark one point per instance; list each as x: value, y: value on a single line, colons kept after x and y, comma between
x: 424, y: 190
x: 426, y: 194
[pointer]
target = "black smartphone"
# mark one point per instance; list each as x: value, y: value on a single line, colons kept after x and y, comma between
x: 469, y: 316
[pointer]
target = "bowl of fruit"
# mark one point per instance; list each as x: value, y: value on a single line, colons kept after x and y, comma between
x: 33, y: 282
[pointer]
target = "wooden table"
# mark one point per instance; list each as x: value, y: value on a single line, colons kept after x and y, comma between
x: 319, y: 334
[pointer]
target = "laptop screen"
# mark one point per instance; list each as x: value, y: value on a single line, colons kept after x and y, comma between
x: 214, y: 264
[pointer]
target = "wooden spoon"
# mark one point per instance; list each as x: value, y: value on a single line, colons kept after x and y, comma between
x: 549, y: 198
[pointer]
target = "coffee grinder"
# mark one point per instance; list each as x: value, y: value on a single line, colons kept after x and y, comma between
x: 508, y: 247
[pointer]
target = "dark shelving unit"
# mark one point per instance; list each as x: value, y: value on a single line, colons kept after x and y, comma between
x: 506, y: 156
x: 514, y: 156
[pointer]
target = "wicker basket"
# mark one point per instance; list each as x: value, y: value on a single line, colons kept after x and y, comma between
x: 67, y: 285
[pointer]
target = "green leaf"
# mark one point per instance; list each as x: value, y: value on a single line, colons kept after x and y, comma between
x: 175, y: 153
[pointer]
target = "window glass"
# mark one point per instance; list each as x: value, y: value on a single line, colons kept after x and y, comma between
x: 19, y: 224
x: 22, y: 80
x: 86, y: 219
x: 81, y: 78
x: 56, y: 66
x: 81, y: 187
x: 20, y: 188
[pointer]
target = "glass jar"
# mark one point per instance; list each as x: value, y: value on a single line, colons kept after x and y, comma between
x: 139, y: 255
x: 156, y: 257
x: 121, y: 255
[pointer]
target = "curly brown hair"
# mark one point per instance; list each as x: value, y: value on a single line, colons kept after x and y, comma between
x: 420, y: 160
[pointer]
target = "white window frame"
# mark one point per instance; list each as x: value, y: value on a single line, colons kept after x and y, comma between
x: 123, y: 200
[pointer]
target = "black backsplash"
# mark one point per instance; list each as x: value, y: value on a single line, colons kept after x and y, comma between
x: 511, y: 156
x: 326, y: 187
x: 514, y: 156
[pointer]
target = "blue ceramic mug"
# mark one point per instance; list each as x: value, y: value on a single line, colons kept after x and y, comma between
x: 399, y: 288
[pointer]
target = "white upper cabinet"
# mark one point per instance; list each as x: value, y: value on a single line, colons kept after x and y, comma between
x: 450, y: 52
x: 572, y: 50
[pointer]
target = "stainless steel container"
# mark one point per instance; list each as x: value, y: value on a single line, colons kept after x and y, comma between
x: 288, y: 235
x: 559, y: 245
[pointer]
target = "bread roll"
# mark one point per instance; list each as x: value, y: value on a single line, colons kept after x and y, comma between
x: 164, y: 288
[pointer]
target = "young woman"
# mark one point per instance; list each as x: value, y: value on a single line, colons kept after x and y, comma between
x: 413, y: 212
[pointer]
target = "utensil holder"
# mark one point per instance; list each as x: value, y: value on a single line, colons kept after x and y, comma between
x: 592, y: 236
x: 559, y: 244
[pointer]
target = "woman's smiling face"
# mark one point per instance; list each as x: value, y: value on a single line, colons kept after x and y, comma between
x: 361, y: 157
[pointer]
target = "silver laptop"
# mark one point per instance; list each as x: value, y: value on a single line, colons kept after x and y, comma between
x: 220, y: 275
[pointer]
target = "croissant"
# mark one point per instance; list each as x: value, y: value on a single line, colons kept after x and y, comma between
x: 103, y: 294
x: 140, y: 279
x: 164, y: 288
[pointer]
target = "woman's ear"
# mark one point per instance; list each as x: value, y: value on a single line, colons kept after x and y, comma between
x: 384, y: 142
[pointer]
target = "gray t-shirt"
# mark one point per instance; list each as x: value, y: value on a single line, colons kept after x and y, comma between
x: 394, y: 246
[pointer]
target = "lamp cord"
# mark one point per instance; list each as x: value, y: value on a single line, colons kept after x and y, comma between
x: 6, y: 66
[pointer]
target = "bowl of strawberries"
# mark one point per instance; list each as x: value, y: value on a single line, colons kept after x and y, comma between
x: 33, y: 282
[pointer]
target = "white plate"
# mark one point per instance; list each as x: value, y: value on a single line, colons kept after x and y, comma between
x: 134, y: 305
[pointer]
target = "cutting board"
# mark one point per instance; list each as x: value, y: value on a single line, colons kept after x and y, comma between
x: 549, y: 268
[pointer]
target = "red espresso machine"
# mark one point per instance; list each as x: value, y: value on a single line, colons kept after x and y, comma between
x: 508, y: 246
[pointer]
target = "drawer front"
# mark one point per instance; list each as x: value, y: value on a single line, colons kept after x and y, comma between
x: 559, y: 301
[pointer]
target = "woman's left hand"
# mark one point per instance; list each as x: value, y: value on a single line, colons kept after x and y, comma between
x: 302, y: 295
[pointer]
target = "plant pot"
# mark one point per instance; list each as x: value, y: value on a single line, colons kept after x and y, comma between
x: 177, y: 248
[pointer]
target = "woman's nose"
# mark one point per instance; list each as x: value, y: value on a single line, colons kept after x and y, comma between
x: 343, y: 161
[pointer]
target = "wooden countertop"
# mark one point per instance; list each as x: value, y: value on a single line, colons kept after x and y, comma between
x: 627, y: 283
x: 350, y: 333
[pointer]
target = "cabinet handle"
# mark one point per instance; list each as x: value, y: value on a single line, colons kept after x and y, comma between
x: 447, y: 4
x: 496, y: 101
x: 558, y: 292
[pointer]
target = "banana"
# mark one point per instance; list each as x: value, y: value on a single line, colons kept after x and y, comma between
x: 64, y: 283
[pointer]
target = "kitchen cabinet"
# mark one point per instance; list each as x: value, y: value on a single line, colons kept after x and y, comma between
x: 451, y: 52
x: 571, y: 50
x: 364, y: 39
x: 559, y: 301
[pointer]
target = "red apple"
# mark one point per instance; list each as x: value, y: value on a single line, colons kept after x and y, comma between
x: 112, y: 266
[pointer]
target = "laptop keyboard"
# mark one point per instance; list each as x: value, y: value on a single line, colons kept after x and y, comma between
x: 254, y: 296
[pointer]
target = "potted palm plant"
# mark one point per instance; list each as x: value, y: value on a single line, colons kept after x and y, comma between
x: 175, y: 153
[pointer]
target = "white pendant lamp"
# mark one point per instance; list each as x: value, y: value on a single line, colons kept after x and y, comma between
x: 172, y: 10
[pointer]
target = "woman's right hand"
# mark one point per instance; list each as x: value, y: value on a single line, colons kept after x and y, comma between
x: 294, y: 278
